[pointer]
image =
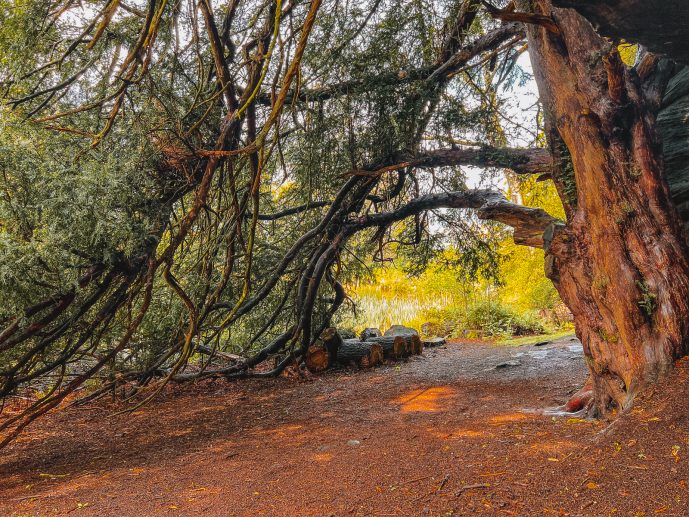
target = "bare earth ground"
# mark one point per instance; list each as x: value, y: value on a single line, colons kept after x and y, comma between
x: 445, y: 433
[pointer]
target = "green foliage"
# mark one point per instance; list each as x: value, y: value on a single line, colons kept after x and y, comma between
x: 647, y: 302
x: 488, y: 288
x: 58, y: 214
x: 494, y: 319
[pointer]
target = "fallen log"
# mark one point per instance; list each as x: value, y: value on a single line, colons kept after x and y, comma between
x: 396, y: 347
x: 206, y: 350
x: 360, y: 353
x: 393, y: 347
x: 323, y: 353
x: 416, y: 345
x: 433, y: 341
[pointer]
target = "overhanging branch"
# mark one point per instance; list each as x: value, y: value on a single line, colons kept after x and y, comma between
x: 519, y: 160
x: 529, y: 223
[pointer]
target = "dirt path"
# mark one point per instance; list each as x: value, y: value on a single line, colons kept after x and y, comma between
x: 456, y: 431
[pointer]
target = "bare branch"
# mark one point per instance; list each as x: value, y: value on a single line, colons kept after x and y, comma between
x: 528, y: 223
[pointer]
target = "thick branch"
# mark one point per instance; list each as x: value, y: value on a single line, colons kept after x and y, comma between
x: 521, y: 161
x: 528, y: 223
x: 291, y: 211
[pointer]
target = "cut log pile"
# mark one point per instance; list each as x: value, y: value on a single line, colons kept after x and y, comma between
x: 397, y: 347
x: 323, y: 353
x: 370, y: 349
x: 360, y: 353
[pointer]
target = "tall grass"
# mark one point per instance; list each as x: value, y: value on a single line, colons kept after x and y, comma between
x: 453, y: 305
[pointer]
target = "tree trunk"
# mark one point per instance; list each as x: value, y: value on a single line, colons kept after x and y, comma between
x: 620, y: 263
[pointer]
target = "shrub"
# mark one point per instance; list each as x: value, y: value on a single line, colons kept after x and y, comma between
x: 490, y: 318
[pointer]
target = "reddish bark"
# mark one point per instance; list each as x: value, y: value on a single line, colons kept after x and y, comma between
x: 620, y: 263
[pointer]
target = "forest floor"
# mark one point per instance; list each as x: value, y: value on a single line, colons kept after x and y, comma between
x: 459, y: 430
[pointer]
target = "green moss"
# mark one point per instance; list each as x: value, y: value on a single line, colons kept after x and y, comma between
x: 647, y: 302
x: 627, y: 208
x: 566, y: 176
x: 600, y: 282
x: 634, y: 171
x: 606, y: 336
x: 595, y: 57
x: 504, y: 157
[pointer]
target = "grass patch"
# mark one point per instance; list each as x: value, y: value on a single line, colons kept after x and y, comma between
x: 530, y: 340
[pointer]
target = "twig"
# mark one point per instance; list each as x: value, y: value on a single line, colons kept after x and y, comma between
x: 414, y: 480
x: 39, y: 496
x: 471, y: 487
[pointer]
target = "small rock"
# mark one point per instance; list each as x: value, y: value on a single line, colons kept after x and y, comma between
x: 508, y: 364
x: 369, y: 332
x: 353, y: 443
x: 400, y: 330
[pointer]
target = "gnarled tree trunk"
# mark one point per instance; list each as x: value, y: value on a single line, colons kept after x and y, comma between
x: 620, y: 263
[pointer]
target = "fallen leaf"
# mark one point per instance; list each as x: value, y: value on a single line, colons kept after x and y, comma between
x: 675, y: 452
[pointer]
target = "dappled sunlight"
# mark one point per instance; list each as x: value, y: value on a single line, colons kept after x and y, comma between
x: 458, y: 433
x: 508, y: 418
x: 554, y: 446
x: 282, y: 430
x: 425, y: 400
x: 469, y: 433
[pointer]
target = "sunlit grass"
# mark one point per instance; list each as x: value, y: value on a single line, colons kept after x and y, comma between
x: 530, y: 340
x: 456, y: 305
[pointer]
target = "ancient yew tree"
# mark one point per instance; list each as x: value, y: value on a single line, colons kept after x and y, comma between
x: 182, y: 179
